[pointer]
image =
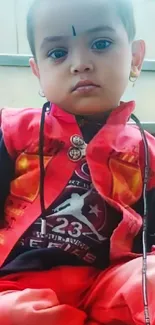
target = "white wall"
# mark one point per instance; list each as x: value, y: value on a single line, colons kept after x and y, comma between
x: 145, y: 23
x: 8, y: 36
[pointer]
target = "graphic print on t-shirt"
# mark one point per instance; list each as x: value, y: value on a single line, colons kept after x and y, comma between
x: 77, y: 221
x: 73, y: 207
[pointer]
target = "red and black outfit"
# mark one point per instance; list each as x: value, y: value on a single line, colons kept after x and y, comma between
x: 90, y: 255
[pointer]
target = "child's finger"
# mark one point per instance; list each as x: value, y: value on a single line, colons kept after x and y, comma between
x: 39, y: 298
x: 57, y: 315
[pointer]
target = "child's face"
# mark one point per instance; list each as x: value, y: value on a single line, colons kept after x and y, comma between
x: 100, y: 54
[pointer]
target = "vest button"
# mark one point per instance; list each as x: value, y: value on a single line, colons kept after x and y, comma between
x: 74, y: 154
x: 77, y: 141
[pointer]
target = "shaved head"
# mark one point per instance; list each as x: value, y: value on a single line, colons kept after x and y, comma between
x: 124, y: 10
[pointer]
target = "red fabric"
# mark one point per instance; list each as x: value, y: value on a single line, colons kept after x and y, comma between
x: 71, y: 295
x: 115, y: 160
x: 68, y: 295
x: 77, y: 295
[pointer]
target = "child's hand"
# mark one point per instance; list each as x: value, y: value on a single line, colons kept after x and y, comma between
x: 27, y: 307
x: 33, y: 307
x: 37, y: 306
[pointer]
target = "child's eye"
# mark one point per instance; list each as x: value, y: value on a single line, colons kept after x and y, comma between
x: 101, y: 44
x: 57, y: 54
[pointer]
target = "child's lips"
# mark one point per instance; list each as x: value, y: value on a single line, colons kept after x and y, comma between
x: 85, y: 86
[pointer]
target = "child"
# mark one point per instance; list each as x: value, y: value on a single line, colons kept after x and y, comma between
x: 73, y: 187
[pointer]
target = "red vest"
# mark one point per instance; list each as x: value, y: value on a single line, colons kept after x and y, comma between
x: 115, y: 158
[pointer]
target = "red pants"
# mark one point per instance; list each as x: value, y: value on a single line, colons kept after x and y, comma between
x: 78, y: 295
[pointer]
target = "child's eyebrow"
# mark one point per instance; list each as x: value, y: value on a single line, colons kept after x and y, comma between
x: 51, y: 39
x: 101, y: 29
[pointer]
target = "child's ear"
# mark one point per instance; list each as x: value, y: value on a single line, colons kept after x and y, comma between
x: 138, y: 54
x: 34, y: 67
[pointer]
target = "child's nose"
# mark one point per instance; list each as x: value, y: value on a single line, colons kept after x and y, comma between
x: 81, y: 67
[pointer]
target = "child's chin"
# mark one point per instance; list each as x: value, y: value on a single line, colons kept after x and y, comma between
x: 89, y: 110
x: 86, y: 106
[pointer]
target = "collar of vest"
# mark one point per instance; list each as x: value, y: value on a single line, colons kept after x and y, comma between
x: 120, y: 115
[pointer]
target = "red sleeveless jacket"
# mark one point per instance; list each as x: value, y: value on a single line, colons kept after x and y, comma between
x: 115, y: 158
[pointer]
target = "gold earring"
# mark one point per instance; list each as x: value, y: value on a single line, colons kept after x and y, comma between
x: 41, y: 93
x: 133, y: 77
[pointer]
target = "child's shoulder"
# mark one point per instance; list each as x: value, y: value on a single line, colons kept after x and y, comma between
x: 18, y: 125
x: 19, y: 119
x: 18, y: 115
